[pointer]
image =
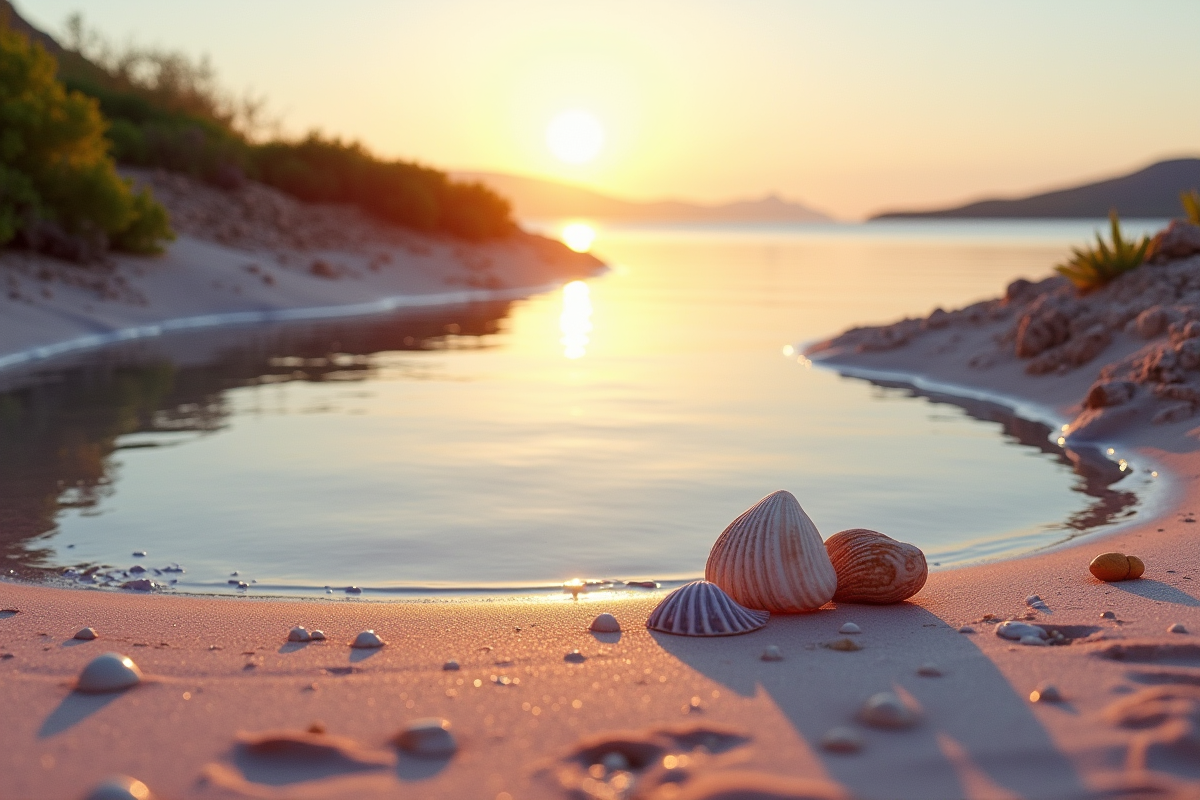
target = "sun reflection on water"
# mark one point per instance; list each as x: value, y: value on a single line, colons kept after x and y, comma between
x: 576, y: 320
x: 578, y: 236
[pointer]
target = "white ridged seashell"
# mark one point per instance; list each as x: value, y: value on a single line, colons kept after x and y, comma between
x: 605, y: 623
x: 299, y: 634
x: 886, y: 710
x: 427, y: 738
x: 772, y: 558
x: 120, y: 787
x: 110, y: 672
x: 86, y: 634
x: 700, y: 608
x: 317, y: 636
x: 367, y: 639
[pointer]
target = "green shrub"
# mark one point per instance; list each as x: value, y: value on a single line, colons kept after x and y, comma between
x: 1093, y: 267
x: 55, y: 171
x: 1191, y: 206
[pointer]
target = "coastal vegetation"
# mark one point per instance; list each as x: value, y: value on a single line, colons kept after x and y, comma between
x: 1191, y: 205
x: 166, y: 111
x: 59, y: 188
x: 1092, y: 267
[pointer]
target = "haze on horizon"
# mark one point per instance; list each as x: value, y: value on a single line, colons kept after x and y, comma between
x: 849, y: 107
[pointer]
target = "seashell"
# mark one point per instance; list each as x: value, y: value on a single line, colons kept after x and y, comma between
x: 367, y: 639
x: 1019, y: 630
x: 1177, y: 628
x: 451, y: 666
x: 1111, y: 567
x: 1046, y: 693
x: 849, y: 627
x: 86, y: 634
x: 771, y: 558
x: 886, y: 710
x: 427, y: 738
x: 317, y: 636
x: 842, y: 740
x: 700, y: 608
x: 299, y: 634
x: 120, y: 787
x: 111, y: 672
x: 771, y: 653
x: 605, y: 623
x: 874, y: 568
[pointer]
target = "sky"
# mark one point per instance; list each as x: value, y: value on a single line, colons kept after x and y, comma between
x: 849, y: 106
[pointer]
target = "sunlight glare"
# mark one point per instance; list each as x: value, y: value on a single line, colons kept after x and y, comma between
x: 575, y: 137
x: 576, y: 320
x: 578, y: 236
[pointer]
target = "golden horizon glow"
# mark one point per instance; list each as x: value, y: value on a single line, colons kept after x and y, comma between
x: 578, y: 236
x: 575, y: 136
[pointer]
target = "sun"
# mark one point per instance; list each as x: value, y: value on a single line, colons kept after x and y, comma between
x: 575, y: 137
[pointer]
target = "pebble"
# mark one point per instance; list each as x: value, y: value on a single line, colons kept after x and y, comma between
x: 1177, y: 628
x: 575, y: 657
x: 886, y: 710
x: 1032, y: 641
x: 842, y: 740
x: 367, y: 639
x: 966, y: 629
x: 849, y: 627
x: 929, y: 670
x: 771, y: 653
x: 1045, y: 693
x: 140, y: 585
x: 120, y: 787
x: 1107, y: 615
x: 1019, y: 630
x: 139, y: 553
x: 317, y: 636
x: 451, y: 666
x: 86, y: 634
x: 843, y: 645
x: 111, y: 672
x: 137, y: 569
x: 427, y: 738
x: 353, y: 590
x: 298, y: 634
x: 605, y: 623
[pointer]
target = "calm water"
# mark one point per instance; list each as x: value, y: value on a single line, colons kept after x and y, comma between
x: 609, y: 430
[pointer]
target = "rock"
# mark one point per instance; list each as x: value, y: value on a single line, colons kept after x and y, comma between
x: 605, y: 623
x: 1187, y: 352
x: 367, y: 640
x: 139, y: 585
x: 1019, y: 630
x: 1177, y: 241
x: 929, y: 670
x: 938, y: 319
x: 120, y: 787
x: 1110, y: 393
x: 1176, y: 412
x: 427, y: 738
x: 1018, y: 291
x: 842, y: 740
x: 1177, y: 628
x: 1046, y: 693
x: 771, y: 653
x: 1107, y: 615
x: 1040, y: 329
x: 86, y: 634
x: 111, y: 672
x: 1034, y: 641
x: 298, y: 634
x: 575, y: 657
x: 317, y: 636
x: 1151, y: 322
x: 966, y: 629
x: 451, y: 666
x: 886, y: 710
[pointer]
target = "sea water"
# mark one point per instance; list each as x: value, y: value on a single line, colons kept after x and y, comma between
x: 607, y: 429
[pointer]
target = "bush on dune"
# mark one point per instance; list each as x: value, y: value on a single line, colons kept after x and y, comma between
x: 59, y: 190
x: 1093, y: 267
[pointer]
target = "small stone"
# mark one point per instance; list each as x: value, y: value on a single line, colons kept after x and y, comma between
x: 317, y: 636
x: 575, y: 657
x: 120, y: 787
x: 111, y: 672
x: 1110, y: 567
x: 137, y: 569
x: 842, y: 740
x: 298, y: 634
x: 843, y: 645
x: 1033, y: 600
x: 86, y: 634
x: 427, y: 738
x: 139, y: 585
x: 1045, y: 693
x: 1107, y: 615
x: 966, y: 629
x: 929, y: 670
x: 1032, y: 641
x: 886, y: 710
x: 605, y: 623
x: 771, y: 653
x: 139, y: 553
x: 1177, y: 628
x: 451, y: 666
x: 367, y: 639
x: 1019, y: 630
x: 849, y: 627
x: 353, y: 590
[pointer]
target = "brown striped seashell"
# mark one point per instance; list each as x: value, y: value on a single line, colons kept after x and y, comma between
x: 874, y: 568
x: 700, y: 608
x: 771, y: 557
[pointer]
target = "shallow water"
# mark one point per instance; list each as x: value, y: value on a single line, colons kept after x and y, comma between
x: 604, y: 431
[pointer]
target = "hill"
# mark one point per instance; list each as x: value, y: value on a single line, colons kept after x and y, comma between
x: 533, y: 198
x: 1152, y: 192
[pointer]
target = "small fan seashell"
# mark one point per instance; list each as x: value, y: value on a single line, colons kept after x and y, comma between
x: 874, y: 568
x: 110, y: 672
x: 771, y: 558
x: 367, y: 639
x: 605, y: 623
x: 700, y: 608
x: 427, y: 738
x: 120, y: 787
x: 86, y: 634
x: 299, y: 634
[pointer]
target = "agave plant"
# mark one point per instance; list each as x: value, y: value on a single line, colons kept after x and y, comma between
x: 1095, y: 266
x: 1191, y: 205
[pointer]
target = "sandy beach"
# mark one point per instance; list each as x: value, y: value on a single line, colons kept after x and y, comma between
x: 691, y: 718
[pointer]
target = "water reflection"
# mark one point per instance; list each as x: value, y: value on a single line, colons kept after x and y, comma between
x: 578, y: 236
x: 576, y: 319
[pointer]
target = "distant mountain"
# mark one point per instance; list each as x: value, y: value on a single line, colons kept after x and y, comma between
x: 1152, y: 192
x: 533, y: 198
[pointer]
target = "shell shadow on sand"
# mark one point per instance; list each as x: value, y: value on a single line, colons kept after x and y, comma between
x: 1157, y: 590
x: 74, y: 708
x: 926, y: 760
